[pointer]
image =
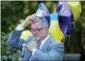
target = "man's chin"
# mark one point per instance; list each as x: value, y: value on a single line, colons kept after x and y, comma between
x: 37, y: 39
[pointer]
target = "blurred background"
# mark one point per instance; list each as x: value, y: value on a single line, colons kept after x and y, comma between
x: 14, y: 11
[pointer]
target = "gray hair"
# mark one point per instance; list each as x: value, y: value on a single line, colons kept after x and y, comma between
x: 43, y: 22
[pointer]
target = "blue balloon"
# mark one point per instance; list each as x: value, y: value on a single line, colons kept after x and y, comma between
x: 65, y: 18
x: 44, y: 12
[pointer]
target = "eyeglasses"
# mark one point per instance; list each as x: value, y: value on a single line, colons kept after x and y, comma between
x: 36, y: 30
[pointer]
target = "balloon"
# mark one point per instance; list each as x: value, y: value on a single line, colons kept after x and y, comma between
x: 43, y: 12
x: 76, y: 9
x: 25, y: 34
x: 54, y: 29
x: 65, y: 17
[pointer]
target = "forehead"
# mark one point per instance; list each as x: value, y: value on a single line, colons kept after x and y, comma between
x: 35, y: 24
x: 34, y: 19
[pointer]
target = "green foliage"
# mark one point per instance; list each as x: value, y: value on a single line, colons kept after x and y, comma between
x: 13, y: 11
x: 7, y: 52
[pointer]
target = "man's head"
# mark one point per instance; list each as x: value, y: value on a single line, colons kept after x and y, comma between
x: 39, y: 27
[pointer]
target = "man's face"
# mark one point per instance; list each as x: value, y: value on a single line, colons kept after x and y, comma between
x: 38, y: 31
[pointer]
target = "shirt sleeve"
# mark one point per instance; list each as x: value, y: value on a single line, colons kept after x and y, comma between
x: 33, y: 51
x: 14, y: 39
x: 19, y: 27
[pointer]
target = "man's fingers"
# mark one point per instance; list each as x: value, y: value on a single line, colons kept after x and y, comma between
x: 29, y: 17
x: 27, y: 20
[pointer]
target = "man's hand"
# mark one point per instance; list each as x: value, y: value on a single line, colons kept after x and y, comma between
x: 32, y: 46
x: 27, y: 20
x: 25, y: 23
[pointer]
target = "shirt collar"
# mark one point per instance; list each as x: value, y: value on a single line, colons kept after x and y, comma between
x: 45, y: 39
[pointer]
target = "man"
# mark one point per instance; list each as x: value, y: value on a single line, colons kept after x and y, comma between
x: 49, y: 48
x: 40, y: 45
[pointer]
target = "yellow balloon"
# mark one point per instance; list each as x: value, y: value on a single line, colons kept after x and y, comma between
x: 55, y: 30
x: 25, y: 34
x: 76, y: 9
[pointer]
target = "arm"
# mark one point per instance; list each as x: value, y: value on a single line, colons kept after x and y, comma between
x: 56, y: 53
x: 14, y: 40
